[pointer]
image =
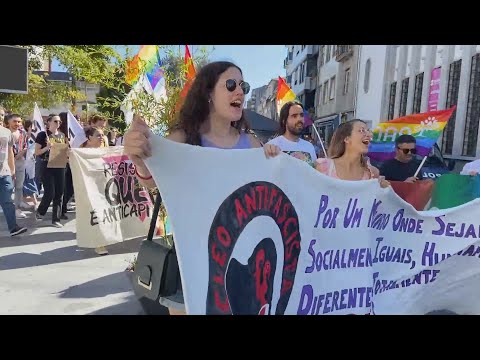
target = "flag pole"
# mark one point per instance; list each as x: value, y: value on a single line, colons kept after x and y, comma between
x: 319, y: 138
x: 420, y: 166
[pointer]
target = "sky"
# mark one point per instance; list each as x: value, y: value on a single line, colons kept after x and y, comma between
x: 259, y: 63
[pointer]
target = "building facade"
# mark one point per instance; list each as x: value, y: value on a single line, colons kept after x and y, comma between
x: 336, y: 87
x: 398, y: 80
x: 89, y: 90
x: 301, y: 69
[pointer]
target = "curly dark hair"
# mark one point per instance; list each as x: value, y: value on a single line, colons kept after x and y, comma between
x: 196, y: 108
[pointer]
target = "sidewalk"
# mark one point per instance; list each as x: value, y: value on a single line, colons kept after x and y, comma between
x: 44, y: 272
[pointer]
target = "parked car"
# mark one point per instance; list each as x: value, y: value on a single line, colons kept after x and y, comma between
x: 435, y: 165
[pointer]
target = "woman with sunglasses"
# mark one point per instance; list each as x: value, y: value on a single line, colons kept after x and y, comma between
x: 211, y: 116
x: 347, y: 150
x: 404, y: 166
x: 53, y: 179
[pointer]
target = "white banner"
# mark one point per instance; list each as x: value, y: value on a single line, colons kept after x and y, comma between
x: 76, y: 133
x: 110, y: 205
x: 274, y: 236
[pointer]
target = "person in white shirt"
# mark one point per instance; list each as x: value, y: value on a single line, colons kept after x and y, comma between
x: 292, y: 122
x: 471, y: 168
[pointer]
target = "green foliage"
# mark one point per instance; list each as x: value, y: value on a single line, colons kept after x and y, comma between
x: 93, y: 63
x: 103, y: 65
x: 159, y: 114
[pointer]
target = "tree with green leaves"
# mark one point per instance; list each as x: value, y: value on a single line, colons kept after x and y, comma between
x: 159, y: 114
x: 92, y: 63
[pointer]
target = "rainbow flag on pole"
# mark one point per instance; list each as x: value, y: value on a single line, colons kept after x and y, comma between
x: 426, y: 128
x: 286, y: 94
x: 190, y: 72
x: 147, y: 62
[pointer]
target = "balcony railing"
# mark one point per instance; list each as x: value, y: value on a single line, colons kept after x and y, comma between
x: 343, y: 52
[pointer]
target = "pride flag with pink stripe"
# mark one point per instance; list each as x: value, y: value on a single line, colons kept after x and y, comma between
x: 426, y: 128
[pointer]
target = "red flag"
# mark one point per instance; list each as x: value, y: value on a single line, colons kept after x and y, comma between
x: 417, y: 194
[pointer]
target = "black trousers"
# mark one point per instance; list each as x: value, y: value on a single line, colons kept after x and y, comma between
x: 68, y: 193
x: 54, y: 186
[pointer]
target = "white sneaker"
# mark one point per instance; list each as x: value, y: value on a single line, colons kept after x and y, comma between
x: 20, y: 214
x: 101, y: 250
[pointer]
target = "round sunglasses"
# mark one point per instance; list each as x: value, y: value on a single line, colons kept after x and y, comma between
x: 231, y: 85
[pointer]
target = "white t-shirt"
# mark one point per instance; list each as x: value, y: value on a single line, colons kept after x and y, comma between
x: 300, y: 149
x: 471, y: 166
x: 6, y: 142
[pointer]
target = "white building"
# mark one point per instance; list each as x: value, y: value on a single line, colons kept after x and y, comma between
x: 301, y: 67
x: 89, y: 90
x: 397, y: 80
x: 335, y: 100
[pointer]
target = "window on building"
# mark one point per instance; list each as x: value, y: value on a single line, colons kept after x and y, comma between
x: 470, y: 136
x: 334, y: 51
x: 327, y: 58
x: 452, y: 97
x: 332, y: 88
x: 403, y: 97
x: 318, y: 95
x: 289, y: 80
x: 366, y: 78
x: 322, y: 55
x: 325, y: 92
x: 391, y: 102
x: 302, y: 73
x: 295, y: 76
x: 303, y: 47
x: 347, y: 81
x: 417, y: 94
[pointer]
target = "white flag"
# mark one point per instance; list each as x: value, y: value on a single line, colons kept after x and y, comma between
x: 38, y: 120
x: 76, y: 133
x: 127, y: 104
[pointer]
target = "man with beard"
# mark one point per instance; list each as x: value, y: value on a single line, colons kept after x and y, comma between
x: 291, y: 127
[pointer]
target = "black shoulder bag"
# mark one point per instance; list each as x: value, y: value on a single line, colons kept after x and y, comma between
x: 156, y: 272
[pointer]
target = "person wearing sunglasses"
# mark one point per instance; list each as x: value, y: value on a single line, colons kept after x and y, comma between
x: 404, y: 165
x: 53, y: 179
x: 212, y: 115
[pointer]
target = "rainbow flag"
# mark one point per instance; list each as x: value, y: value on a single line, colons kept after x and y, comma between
x: 286, y: 94
x: 190, y: 75
x: 147, y: 62
x: 426, y: 128
x: 452, y: 190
